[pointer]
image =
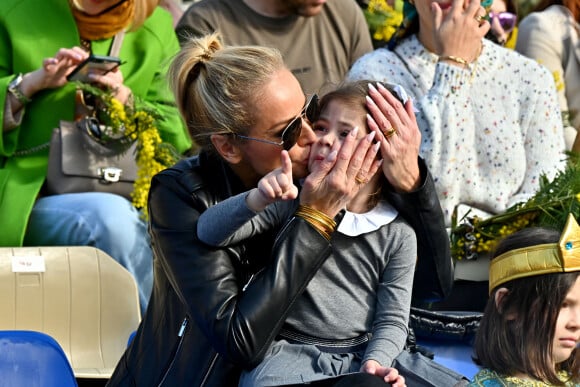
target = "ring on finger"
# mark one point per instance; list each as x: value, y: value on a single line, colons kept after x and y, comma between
x: 478, y: 18
x: 389, y: 132
x: 360, y: 181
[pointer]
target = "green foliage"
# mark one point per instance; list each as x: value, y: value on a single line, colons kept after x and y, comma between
x: 549, y: 207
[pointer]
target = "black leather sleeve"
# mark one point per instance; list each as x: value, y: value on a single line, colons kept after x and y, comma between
x: 421, y: 208
x: 240, y: 324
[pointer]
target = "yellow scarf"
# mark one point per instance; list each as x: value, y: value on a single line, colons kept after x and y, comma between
x: 104, y: 25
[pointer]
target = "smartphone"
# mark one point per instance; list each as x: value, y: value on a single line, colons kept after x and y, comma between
x: 94, y: 64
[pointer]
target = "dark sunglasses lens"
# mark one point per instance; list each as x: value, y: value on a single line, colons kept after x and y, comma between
x: 312, y: 109
x: 291, y: 134
x: 507, y: 21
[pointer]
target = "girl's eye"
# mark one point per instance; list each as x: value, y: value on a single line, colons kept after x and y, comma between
x: 344, y: 133
x: 318, y: 127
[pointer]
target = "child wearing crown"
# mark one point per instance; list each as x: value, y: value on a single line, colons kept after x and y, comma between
x: 531, y: 325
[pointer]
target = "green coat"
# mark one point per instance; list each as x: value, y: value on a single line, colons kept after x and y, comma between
x: 31, y: 30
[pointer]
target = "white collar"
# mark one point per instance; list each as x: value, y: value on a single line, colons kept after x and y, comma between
x: 356, y: 224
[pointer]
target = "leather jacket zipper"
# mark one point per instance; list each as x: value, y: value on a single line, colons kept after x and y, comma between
x: 209, y: 369
x: 175, y: 351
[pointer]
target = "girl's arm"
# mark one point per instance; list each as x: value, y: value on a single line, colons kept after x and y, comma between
x: 231, y: 221
x: 234, y: 220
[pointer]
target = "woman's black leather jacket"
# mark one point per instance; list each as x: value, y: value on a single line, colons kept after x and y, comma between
x: 211, y: 312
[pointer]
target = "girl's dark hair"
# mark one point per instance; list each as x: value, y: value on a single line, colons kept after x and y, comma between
x: 517, y: 336
x: 351, y: 93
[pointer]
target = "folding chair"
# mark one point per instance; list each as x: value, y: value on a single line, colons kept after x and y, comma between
x: 80, y: 296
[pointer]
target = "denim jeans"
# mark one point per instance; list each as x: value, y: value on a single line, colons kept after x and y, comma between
x: 106, y: 221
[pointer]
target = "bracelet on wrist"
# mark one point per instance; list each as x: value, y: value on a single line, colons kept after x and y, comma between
x: 324, y: 224
x: 455, y: 59
x: 15, y: 90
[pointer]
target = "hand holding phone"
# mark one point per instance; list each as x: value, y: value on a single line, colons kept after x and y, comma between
x: 94, y: 64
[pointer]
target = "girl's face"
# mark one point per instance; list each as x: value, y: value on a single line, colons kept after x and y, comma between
x: 567, y: 332
x: 281, y: 100
x: 94, y: 7
x: 334, y: 124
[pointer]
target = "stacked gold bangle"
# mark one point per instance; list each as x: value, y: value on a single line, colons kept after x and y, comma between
x: 317, y: 219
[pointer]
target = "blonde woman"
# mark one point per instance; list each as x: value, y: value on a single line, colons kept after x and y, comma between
x: 214, y: 311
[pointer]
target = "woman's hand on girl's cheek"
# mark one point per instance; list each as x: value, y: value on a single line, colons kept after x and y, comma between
x: 400, y: 151
x: 332, y: 181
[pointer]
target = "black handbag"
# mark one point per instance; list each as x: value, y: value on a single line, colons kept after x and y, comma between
x: 445, y: 325
x: 80, y: 161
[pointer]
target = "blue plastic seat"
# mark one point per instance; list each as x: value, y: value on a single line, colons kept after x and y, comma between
x: 455, y: 355
x: 33, y: 359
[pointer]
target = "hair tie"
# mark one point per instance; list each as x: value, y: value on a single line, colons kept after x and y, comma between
x: 207, y: 54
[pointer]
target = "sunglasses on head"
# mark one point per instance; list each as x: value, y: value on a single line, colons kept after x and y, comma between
x: 292, y: 131
x: 507, y: 20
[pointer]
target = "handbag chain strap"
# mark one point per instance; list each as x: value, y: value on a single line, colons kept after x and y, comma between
x: 29, y: 151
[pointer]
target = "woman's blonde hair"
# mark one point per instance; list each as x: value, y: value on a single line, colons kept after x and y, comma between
x: 143, y: 9
x: 216, y: 87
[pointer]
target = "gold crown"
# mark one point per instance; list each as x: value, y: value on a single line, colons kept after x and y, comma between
x: 560, y: 257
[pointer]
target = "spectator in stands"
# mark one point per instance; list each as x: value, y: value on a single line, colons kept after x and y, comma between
x: 41, y: 43
x: 489, y: 117
x: 503, y: 18
x: 550, y: 35
x: 319, y: 40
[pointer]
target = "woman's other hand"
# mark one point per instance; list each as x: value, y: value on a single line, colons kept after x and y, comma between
x: 398, y: 133
x: 53, y: 72
x: 114, y: 81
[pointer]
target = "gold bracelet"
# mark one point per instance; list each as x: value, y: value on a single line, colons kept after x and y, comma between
x: 324, y: 224
x: 321, y: 228
x: 455, y: 59
x: 321, y: 216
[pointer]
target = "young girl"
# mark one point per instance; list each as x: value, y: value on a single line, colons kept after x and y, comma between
x: 531, y: 326
x: 353, y: 315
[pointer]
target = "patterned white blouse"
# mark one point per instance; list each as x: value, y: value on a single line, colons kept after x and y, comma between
x: 488, y: 132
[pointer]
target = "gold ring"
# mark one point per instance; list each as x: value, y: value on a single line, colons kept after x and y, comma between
x: 389, y: 133
x: 360, y: 181
x: 478, y: 18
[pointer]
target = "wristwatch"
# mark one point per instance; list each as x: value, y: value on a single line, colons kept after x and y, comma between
x: 14, y: 89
